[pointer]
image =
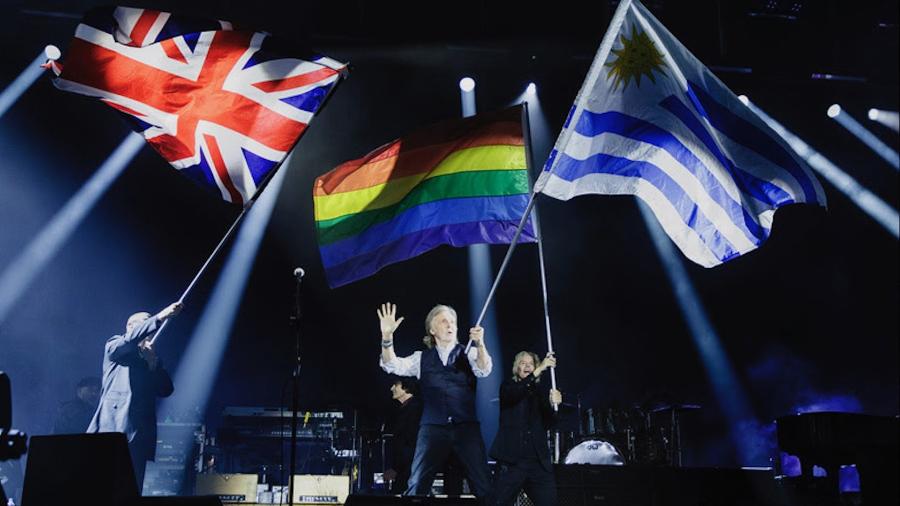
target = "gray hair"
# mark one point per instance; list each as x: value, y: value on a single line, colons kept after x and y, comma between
x: 520, y: 356
x: 429, y: 339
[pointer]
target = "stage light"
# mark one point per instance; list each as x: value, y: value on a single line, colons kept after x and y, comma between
x: 20, y: 84
x: 719, y: 371
x: 19, y: 274
x: 200, y: 362
x: 481, y: 277
x: 868, y: 138
x: 467, y: 96
x: 531, y: 89
x: 52, y: 52
x: 876, y: 208
x: 889, y: 119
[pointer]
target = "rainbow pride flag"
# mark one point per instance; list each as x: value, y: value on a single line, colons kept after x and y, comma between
x: 459, y: 182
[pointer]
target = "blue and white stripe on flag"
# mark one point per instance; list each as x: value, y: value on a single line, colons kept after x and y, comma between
x: 652, y: 121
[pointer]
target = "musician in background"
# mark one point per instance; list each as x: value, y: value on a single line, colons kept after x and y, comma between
x: 74, y: 415
x: 406, y: 431
x: 520, y: 448
x: 133, y: 377
x: 447, y: 375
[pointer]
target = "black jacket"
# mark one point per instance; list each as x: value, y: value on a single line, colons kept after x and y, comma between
x: 406, y: 432
x: 525, y: 417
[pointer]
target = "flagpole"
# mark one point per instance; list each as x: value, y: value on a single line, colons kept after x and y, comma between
x: 526, y: 127
x: 244, y: 211
x: 526, y: 130
x: 509, y: 251
x: 512, y: 246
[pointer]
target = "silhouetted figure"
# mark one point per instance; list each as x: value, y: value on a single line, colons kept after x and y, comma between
x: 405, y: 431
x: 74, y: 415
x: 133, y: 377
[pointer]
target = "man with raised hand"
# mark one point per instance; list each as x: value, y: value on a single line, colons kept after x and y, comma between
x: 447, y: 378
x: 133, y: 377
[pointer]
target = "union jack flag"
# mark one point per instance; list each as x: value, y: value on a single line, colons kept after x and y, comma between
x: 221, y: 105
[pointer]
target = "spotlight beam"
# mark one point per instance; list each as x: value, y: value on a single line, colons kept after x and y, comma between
x: 20, y: 85
x: 876, y: 208
x: 890, y: 119
x: 199, y: 365
x: 868, y: 138
x: 19, y: 274
x: 480, y: 278
x: 719, y: 370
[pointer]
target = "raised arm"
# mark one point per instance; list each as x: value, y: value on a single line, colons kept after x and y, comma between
x: 119, y: 347
x: 390, y: 362
x: 387, y: 317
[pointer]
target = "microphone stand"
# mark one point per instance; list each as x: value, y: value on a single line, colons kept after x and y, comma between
x: 295, y: 397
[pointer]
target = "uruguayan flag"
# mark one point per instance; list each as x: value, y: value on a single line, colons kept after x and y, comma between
x: 652, y: 121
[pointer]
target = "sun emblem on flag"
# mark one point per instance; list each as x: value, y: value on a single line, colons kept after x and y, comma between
x: 637, y: 57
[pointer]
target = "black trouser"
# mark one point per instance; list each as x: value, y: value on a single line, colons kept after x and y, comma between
x: 528, y: 473
x: 436, y: 443
x: 139, y: 464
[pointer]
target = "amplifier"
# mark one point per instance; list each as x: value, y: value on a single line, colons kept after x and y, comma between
x: 321, y: 489
x: 230, y: 488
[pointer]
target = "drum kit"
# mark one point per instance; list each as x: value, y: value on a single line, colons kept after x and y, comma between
x: 620, y: 436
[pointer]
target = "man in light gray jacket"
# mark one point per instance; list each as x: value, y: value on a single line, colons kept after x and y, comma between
x: 133, y: 377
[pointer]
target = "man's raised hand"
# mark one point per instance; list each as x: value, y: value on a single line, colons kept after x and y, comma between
x: 387, y: 316
x: 549, y: 361
x: 170, y: 311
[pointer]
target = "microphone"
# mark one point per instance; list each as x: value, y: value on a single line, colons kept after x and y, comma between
x: 299, y: 273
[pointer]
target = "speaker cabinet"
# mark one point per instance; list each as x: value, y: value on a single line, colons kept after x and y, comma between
x: 79, y: 469
x: 230, y: 488
x: 321, y: 489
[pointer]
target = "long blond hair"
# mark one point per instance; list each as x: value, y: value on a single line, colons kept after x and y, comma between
x: 429, y: 339
x: 519, y: 357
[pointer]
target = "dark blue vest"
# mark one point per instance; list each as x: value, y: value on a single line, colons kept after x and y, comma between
x: 448, y: 392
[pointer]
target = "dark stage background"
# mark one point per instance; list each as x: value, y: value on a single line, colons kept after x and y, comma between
x: 810, y: 319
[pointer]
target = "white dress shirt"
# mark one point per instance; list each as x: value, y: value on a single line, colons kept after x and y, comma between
x: 412, y: 365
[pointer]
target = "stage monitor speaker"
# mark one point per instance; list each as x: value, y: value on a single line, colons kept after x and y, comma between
x: 321, y: 489
x: 230, y: 488
x: 79, y: 469
x: 389, y: 500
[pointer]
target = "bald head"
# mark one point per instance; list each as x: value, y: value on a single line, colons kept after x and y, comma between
x: 135, y: 320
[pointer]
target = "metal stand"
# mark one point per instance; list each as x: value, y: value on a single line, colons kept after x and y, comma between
x: 676, y: 440
x: 295, y: 396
